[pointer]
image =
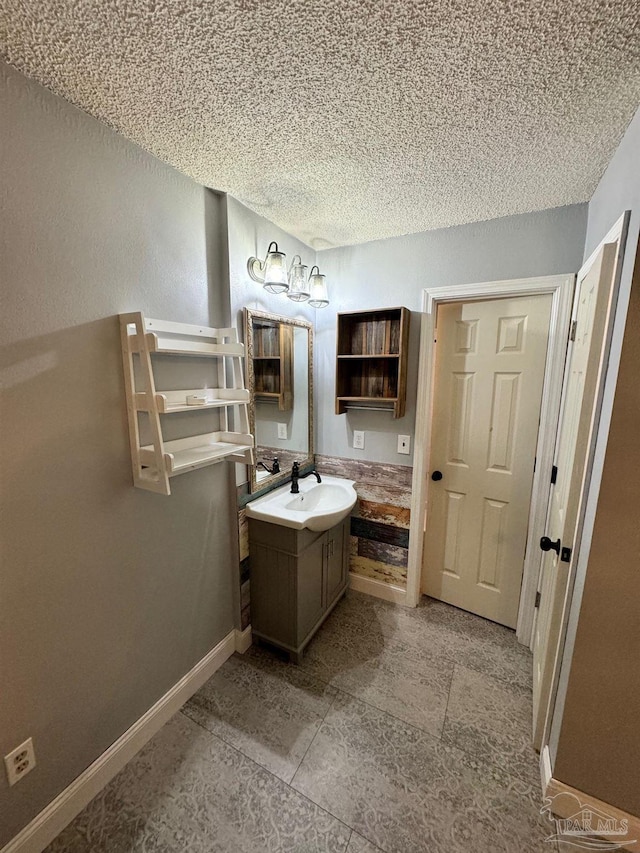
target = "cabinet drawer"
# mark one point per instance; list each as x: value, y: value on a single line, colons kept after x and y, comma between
x: 282, y: 538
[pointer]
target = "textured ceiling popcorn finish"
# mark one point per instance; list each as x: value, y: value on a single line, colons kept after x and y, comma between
x: 346, y: 121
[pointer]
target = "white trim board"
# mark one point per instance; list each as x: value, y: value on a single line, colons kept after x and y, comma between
x: 243, y: 642
x: 70, y: 802
x: 561, y: 288
x: 378, y: 589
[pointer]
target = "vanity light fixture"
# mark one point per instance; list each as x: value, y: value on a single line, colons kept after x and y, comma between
x: 298, y: 284
x: 318, y: 289
x: 272, y: 272
x: 273, y: 275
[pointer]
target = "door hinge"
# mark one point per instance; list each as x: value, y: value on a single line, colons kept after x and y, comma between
x: 537, y: 604
x: 566, y: 555
x: 572, y: 333
x: 554, y: 474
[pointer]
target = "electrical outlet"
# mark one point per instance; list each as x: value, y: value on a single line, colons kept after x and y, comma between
x: 404, y: 444
x: 282, y: 431
x: 358, y: 439
x: 20, y: 761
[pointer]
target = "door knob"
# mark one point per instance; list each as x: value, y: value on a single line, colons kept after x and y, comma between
x: 548, y: 545
x: 437, y: 475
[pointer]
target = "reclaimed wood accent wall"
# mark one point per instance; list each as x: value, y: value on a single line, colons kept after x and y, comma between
x: 245, y: 593
x: 380, y: 518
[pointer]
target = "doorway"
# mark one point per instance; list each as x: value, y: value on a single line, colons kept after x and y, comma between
x: 560, y: 289
x: 488, y: 377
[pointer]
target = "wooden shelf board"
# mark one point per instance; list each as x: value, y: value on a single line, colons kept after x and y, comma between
x: 198, y: 457
x: 175, y: 346
x: 382, y: 355
x: 266, y: 358
x: 170, y: 408
x: 186, y: 454
x: 368, y: 399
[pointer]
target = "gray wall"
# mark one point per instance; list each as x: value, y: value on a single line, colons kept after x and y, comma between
x: 394, y: 272
x: 109, y: 594
x: 603, y: 756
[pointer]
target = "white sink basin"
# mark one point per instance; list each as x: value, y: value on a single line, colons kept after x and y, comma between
x: 319, y: 506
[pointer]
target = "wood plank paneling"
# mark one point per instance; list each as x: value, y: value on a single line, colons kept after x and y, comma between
x: 378, y: 571
x: 383, y: 553
x: 397, y: 516
x: 366, y: 529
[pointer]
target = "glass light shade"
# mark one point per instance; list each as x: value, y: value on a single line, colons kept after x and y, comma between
x: 276, y: 279
x: 318, y: 289
x: 298, y: 287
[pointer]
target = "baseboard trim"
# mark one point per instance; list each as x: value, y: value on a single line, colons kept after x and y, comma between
x: 546, y: 773
x: 378, y: 589
x: 70, y: 802
x: 244, y: 641
x: 565, y: 807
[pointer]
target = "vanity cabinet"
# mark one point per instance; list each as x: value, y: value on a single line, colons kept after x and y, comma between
x: 297, y: 578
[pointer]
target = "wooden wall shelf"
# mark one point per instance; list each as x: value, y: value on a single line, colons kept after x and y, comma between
x: 153, y: 464
x: 371, y: 362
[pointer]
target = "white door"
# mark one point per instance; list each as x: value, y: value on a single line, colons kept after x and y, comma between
x: 590, y: 314
x: 489, y: 373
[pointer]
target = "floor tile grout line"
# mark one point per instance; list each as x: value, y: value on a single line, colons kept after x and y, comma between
x: 446, y: 710
x: 315, y: 735
x: 349, y: 841
x: 266, y: 770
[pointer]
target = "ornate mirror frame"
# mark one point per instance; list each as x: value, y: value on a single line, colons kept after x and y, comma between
x: 249, y: 316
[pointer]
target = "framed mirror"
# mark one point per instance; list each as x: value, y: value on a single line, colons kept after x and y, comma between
x: 280, y: 381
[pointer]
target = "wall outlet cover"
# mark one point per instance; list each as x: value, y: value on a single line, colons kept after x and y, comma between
x: 358, y: 439
x: 404, y: 444
x: 282, y: 431
x: 20, y: 761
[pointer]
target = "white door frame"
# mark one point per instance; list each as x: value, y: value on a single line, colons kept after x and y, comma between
x: 561, y: 289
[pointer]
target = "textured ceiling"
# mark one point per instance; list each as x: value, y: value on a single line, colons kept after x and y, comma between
x: 345, y: 121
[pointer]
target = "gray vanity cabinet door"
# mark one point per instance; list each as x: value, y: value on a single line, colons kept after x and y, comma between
x: 311, y: 595
x: 335, y: 565
x: 273, y: 598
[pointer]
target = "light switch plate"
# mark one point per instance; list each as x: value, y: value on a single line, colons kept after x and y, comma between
x: 404, y: 444
x: 358, y: 439
x: 282, y: 431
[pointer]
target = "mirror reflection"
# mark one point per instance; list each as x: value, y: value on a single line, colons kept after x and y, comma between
x: 279, y: 377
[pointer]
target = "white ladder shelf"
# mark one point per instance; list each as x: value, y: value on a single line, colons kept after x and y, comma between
x: 155, y: 463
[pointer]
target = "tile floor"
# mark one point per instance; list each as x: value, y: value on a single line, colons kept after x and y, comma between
x: 402, y: 730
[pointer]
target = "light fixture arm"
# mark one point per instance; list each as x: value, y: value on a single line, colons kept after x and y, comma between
x: 255, y: 267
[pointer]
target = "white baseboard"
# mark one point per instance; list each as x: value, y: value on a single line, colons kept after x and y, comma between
x: 70, y: 802
x: 378, y: 589
x: 545, y: 768
x: 243, y: 642
x: 566, y: 807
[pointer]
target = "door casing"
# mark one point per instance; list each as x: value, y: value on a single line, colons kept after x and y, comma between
x: 561, y: 288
